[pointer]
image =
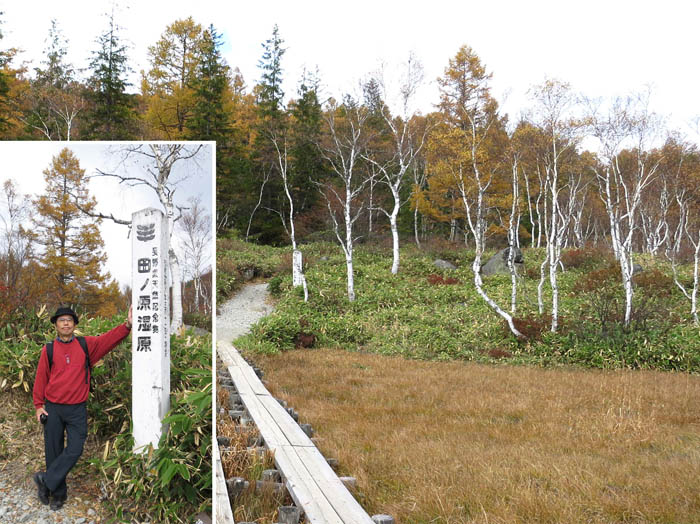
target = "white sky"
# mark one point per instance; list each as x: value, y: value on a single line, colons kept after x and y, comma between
x: 600, y: 47
x: 25, y: 162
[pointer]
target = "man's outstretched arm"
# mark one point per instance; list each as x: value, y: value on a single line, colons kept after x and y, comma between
x: 103, y: 344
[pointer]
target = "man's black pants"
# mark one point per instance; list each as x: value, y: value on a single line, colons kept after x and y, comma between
x: 71, y: 418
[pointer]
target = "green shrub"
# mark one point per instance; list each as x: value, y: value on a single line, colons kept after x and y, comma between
x: 406, y: 314
x: 197, y: 320
x: 234, y: 257
x: 173, y: 483
x: 273, y: 286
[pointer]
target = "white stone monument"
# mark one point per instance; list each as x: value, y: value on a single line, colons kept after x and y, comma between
x: 150, y: 337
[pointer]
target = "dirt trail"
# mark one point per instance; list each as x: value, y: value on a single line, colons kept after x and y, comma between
x: 242, y: 311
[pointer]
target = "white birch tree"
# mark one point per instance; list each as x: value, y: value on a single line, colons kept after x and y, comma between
x: 553, y: 112
x: 688, y: 226
x: 159, y: 159
x: 513, y: 227
x: 195, y: 225
x: 343, y: 150
x: 625, y: 175
x: 407, y: 142
x: 280, y: 144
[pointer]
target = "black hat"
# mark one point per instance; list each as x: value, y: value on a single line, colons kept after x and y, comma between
x: 64, y: 311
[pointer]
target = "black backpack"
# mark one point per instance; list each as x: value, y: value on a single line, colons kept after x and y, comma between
x: 83, y: 344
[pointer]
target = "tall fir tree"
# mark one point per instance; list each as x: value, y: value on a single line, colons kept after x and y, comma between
x: 272, y: 122
x: 72, y: 255
x: 54, y: 103
x: 235, y: 184
x: 56, y: 71
x: 270, y: 94
x: 210, y: 119
x: 307, y: 164
x: 113, y: 113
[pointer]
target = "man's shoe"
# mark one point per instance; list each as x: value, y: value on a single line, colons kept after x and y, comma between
x: 43, y: 491
x: 57, y: 504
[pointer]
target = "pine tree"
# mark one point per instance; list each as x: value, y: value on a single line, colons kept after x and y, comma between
x: 270, y: 93
x: 55, y: 100
x: 271, y: 124
x: 307, y: 164
x: 210, y: 118
x: 113, y: 115
x: 73, y: 254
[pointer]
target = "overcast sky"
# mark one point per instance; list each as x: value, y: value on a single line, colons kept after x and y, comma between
x: 25, y: 162
x: 601, y: 47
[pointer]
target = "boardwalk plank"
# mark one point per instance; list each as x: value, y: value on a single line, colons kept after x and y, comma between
x: 223, y: 513
x: 311, y: 482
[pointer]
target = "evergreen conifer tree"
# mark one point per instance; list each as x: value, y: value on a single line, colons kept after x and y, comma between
x: 307, y: 164
x: 270, y: 94
x: 271, y: 123
x: 113, y: 115
x: 209, y: 119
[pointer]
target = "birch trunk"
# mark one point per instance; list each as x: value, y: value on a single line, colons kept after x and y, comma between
x: 250, y: 220
x: 393, y: 220
x: 346, y: 147
x: 696, y: 278
x: 477, y: 226
x: 513, y: 225
x: 348, y: 248
x: 553, y: 246
x: 415, y: 227
x: 529, y: 209
x: 298, y: 277
x: 176, y: 278
x: 478, y: 284
x: 672, y: 252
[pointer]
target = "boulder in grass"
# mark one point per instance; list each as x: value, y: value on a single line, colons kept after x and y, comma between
x: 444, y: 264
x: 498, y: 263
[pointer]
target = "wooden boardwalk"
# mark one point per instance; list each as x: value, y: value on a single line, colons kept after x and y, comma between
x: 311, y: 482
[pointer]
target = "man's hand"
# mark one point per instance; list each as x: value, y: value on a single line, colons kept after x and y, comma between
x: 129, y: 317
x: 40, y: 411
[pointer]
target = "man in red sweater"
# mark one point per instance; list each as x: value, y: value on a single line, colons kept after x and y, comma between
x: 60, y: 394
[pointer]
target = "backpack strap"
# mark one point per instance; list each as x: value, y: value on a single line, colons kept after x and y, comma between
x: 88, y: 367
x: 49, y: 353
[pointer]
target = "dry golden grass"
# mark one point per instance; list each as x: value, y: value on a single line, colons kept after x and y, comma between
x: 460, y: 442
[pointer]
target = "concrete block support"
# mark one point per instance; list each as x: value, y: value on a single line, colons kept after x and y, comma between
x: 288, y: 515
x: 150, y: 349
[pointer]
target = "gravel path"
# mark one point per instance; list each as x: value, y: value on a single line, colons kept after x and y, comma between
x: 19, y: 502
x: 242, y: 311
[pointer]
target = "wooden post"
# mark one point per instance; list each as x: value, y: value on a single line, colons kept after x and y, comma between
x: 150, y: 350
x: 297, y: 274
